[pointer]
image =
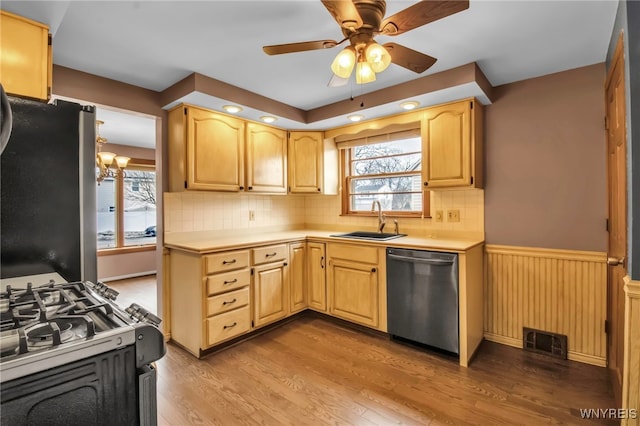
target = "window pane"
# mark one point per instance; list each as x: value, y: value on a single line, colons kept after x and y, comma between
x: 139, y: 207
x: 401, y: 146
x: 399, y: 163
x: 395, y: 193
x: 106, y: 203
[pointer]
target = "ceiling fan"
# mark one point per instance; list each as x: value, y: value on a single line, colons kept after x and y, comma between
x: 361, y: 21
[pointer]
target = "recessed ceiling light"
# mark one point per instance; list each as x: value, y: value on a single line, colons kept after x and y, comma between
x: 268, y: 118
x: 409, y: 105
x: 232, y: 108
x: 355, y: 117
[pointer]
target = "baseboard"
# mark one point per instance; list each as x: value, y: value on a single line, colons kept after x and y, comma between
x: 124, y: 277
x: 572, y: 356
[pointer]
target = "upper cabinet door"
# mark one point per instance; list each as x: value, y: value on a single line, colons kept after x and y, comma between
x: 266, y: 159
x: 306, y: 162
x: 25, y: 68
x: 215, y: 151
x: 452, y: 144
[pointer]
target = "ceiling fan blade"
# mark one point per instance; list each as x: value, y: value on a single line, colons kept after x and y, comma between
x: 409, y: 58
x: 279, y: 49
x: 344, y: 12
x: 420, y: 14
x: 336, y: 81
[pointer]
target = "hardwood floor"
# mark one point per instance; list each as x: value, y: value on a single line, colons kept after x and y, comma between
x: 140, y: 290
x: 313, y: 371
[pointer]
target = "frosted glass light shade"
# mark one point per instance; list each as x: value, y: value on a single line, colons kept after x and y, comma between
x: 344, y: 61
x: 106, y: 158
x: 122, y: 161
x: 377, y: 56
x: 364, y: 73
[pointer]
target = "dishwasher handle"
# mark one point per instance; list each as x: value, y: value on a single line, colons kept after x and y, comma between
x: 439, y: 262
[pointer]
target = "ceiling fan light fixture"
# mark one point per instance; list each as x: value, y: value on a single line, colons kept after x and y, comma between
x: 232, y: 108
x: 409, y: 105
x: 377, y: 56
x: 344, y: 61
x: 364, y: 73
x: 268, y: 118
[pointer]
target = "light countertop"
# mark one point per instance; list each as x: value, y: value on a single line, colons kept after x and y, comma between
x: 205, y: 243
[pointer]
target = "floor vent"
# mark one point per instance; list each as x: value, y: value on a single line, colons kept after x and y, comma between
x: 545, y: 342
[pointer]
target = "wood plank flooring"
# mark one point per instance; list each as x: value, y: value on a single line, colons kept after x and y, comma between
x: 313, y: 371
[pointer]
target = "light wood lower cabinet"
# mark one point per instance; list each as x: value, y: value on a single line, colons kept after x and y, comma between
x: 316, y: 276
x: 270, y: 284
x: 354, y: 284
x: 298, y: 276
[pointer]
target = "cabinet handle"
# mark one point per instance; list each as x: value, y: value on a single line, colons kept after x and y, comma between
x: 318, y: 189
x: 230, y: 326
x: 249, y: 188
x: 426, y: 184
x: 228, y: 262
x: 373, y: 269
x: 241, y: 188
x: 322, y: 262
x: 285, y: 264
x: 270, y: 254
x: 235, y: 280
x: 228, y: 303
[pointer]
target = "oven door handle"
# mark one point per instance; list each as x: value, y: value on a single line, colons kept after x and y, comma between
x: 438, y: 262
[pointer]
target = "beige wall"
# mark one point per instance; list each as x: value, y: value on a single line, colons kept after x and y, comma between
x: 545, y: 162
x: 126, y: 265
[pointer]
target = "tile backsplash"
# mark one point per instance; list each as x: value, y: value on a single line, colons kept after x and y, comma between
x: 211, y: 211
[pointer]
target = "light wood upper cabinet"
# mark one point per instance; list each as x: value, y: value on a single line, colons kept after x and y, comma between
x: 316, y: 276
x: 26, y: 65
x: 206, y: 150
x: 452, y: 145
x: 306, y: 152
x: 266, y: 156
x: 297, y: 276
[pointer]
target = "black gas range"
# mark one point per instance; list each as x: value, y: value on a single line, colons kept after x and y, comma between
x: 70, y: 355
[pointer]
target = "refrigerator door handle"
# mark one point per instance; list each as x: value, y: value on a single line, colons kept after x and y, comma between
x: 6, y: 119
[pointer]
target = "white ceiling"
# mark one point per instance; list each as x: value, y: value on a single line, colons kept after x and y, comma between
x: 154, y: 44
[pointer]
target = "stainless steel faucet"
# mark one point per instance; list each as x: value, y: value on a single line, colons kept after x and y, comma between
x: 382, y: 219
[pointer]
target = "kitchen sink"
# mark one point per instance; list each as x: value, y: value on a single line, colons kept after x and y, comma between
x: 376, y: 236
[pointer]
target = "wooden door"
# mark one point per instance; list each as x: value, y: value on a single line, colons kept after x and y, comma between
x: 270, y: 293
x: 297, y: 277
x: 617, y: 189
x: 306, y: 162
x: 353, y: 290
x: 446, y: 145
x: 266, y: 159
x: 215, y: 151
x: 317, y: 276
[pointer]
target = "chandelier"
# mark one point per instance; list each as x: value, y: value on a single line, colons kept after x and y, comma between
x: 105, y: 160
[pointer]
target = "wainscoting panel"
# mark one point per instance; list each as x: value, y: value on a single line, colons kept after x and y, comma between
x: 561, y: 291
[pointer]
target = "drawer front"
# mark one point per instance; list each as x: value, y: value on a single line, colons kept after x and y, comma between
x: 230, y: 324
x: 353, y: 252
x: 227, y: 301
x: 227, y: 261
x: 269, y: 254
x: 228, y: 281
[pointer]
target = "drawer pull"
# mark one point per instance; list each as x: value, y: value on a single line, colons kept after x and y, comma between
x: 230, y: 326
x: 270, y: 254
x: 235, y: 280
x: 228, y: 262
x: 228, y: 303
x: 373, y: 270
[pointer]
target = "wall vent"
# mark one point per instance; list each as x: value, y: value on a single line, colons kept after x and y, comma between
x: 544, y: 342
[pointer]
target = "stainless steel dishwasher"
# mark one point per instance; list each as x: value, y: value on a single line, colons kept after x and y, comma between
x: 422, y: 297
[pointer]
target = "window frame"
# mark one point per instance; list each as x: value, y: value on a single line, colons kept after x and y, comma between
x: 119, y: 214
x: 345, y: 161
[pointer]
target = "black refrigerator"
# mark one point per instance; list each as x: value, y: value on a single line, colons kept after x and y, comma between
x: 48, y: 190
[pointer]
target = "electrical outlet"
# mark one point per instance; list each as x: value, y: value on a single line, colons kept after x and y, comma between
x: 453, y: 215
x: 252, y: 215
x: 438, y: 215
